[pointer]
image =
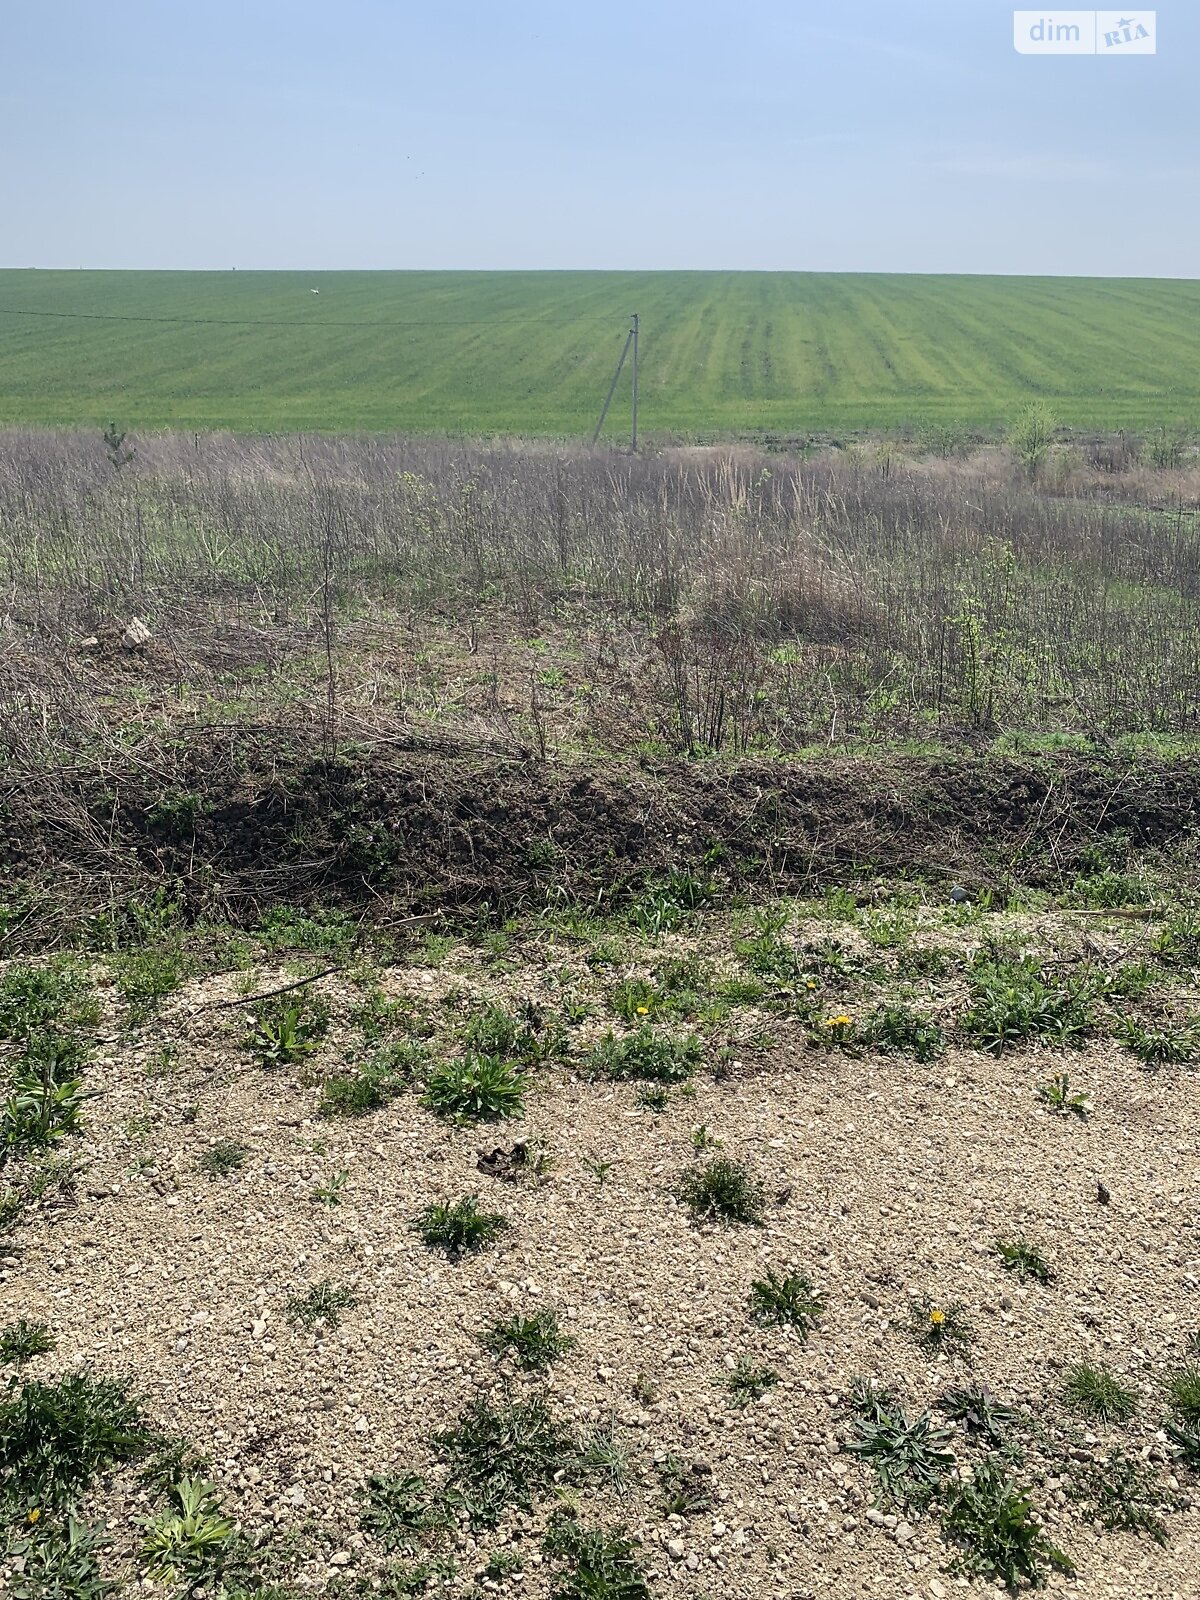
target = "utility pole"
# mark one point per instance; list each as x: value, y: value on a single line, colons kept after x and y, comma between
x: 631, y: 343
x: 633, y: 334
x: 612, y: 388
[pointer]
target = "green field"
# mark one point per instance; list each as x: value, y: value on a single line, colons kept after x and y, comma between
x: 723, y: 353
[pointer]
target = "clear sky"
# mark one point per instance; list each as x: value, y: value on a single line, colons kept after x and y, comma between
x: 858, y: 134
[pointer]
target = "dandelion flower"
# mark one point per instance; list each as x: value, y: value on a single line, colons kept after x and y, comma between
x: 35, y: 1514
x: 937, y: 1317
x: 643, y: 1011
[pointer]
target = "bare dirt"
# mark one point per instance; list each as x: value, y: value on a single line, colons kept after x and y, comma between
x: 885, y: 1180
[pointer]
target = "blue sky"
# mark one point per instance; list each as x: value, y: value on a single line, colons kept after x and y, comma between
x: 364, y: 133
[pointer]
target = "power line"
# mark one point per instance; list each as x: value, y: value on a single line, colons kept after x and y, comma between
x: 298, y: 322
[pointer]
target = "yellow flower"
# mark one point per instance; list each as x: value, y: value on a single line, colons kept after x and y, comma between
x: 643, y: 1011
x: 937, y: 1317
x: 35, y: 1514
x: 811, y: 984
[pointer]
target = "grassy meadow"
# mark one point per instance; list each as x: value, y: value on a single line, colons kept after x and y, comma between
x: 724, y: 354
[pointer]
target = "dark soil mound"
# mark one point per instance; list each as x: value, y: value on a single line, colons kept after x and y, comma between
x: 236, y: 827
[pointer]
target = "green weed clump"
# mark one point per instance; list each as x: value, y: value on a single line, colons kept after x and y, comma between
x: 1025, y: 1260
x: 746, y: 1382
x: 502, y: 1456
x: 287, y: 1030
x: 1159, y: 1047
x: 1121, y: 1492
x: 39, y: 1110
x: 57, y: 1557
x: 458, y: 1228
x: 22, y: 1340
x: 900, y: 1030
x: 384, y: 1077
x: 786, y: 1302
x: 991, y: 1519
x: 475, y: 1088
x: 55, y: 998
x: 942, y: 1329
x: 321, y: 1306
x: 596, y: 1565
x: 1057, y: 1096
x: 186, y: 1544
x: 535, y: 1341
x: 399, y: 1510
x: 55, y: 1437
x: 1013, y: 1003
x: 723, y: 1191
x: 222, y: 1158
x: 978, y: 1411
x: 647, y: 1056
x: 910, y: 1456
x: 1096, y: 1391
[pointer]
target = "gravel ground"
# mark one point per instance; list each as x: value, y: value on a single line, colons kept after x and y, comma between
x: 886, y: 1180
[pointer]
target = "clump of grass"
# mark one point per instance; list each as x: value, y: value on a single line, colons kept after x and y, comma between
x: 535, y: 1341
x: 55, y: 1437
x: 145, y: 977
x: 910, y: 1456
x: 1183, y: 1394
x: 790, y: 1301
x: 1182, y: 1427
x: 607, y: 1457
x: 54, y: 997
x: 22, y: 1340
x: 598, y: 1565
x: 286, y: 1030
x: 1123, y: 1493
x: 504, y: 1455
x: 1057, y: 1096
x: 1159, y: 1047
x: 992, y: 1521
x: 646, y: 1055
x: 903, y: 1031
x: 746, y: 1382
x: 1025, y: 1260
x: 1096, y: 1391
x: 399, y: 1510
x: 496, y: 1032
x: 458, y: 1228
x: 1178, y: 943
x: 723, y: 1190
x: 187, y: 1543
x: 222, y: 1158
x: 475, y: 1088
x: 1012, y: 1003
x: 322, y: 1305
x: 942, y: 1329
x: 386, y: 1075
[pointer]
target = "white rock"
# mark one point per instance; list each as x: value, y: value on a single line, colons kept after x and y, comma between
x: 136, y: 636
